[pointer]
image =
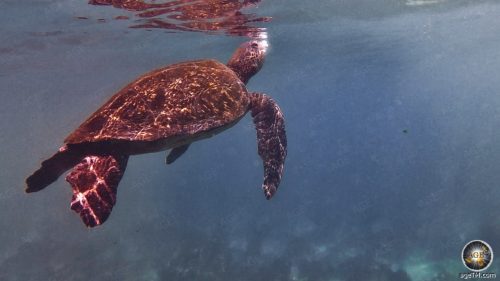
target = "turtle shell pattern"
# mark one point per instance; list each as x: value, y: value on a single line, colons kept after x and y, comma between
x: 181, y: 99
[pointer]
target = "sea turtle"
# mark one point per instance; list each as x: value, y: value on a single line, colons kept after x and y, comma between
x: 168, y: 108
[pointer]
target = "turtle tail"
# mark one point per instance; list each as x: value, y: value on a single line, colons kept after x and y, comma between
x: 95, y: 181
x: 52, y: 168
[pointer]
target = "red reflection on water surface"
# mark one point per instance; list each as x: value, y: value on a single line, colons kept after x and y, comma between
x: 211, y: 16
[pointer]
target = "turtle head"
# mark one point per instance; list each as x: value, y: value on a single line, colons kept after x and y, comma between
x: 248, y: 59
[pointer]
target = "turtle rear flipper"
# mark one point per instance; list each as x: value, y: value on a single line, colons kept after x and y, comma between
x: 271, y: 138
x: 52, y: 168
x: 94, y: 181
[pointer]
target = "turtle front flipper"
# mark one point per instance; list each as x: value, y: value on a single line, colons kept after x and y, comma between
x: 175, y: 153
x: 271, y: 138
x: 94, y: 181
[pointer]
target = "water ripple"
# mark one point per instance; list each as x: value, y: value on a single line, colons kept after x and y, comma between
x: 209, y: 16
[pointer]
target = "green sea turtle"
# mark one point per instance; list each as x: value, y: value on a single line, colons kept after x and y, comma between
x: 168, y: 108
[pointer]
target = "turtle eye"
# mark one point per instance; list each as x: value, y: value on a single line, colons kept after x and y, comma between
x: 254, y: 45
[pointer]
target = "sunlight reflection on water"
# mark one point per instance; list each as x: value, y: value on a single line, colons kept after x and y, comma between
x: 209, y: 16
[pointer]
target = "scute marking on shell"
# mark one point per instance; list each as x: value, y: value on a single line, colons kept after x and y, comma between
x: 185, y: 98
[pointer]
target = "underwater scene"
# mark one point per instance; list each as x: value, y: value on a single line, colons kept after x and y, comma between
x: 329, y: 140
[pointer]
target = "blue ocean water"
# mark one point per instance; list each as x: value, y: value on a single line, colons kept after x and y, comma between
x: 392, y: 113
